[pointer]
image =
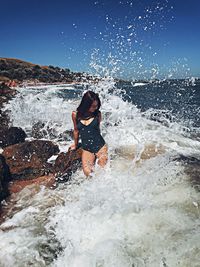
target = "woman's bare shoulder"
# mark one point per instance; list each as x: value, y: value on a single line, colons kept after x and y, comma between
x: 74, y: 114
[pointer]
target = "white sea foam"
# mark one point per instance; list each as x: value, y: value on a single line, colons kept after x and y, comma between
x: 138, y: 84
x: 135, y: 212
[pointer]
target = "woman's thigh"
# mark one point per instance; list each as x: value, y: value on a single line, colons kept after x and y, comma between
x: 88, y: 160
x: 102, y: 156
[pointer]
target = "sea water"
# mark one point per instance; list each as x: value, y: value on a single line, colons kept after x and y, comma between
x: 142, y: 209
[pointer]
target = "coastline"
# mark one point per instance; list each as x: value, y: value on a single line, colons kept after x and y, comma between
x: 39, y: 84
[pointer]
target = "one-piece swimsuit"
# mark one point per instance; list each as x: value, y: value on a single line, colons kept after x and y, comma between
x: 90, y: 135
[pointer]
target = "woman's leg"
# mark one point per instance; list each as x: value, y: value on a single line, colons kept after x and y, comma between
x: 102, y: 156
x: 88, y: 160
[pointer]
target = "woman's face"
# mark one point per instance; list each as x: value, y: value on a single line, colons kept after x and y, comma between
x: 93, y: 107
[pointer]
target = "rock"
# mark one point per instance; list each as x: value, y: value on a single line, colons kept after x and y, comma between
x: 46, y: 180
x: 164, y: 117
x: 28, y: 160
x: 67, y: 163
x: 66, y: 135
x: 11, y: 136
x: 4, y: 178
x: 43, y: 130
x: 4, y: 119
x: 38, y: 130
x: 6, y: 93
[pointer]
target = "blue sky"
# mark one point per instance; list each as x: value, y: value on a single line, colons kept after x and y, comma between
x: 140, y: 39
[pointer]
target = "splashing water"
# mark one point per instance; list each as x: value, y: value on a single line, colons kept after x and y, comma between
x: 131, y: 33
x: 141, y: 210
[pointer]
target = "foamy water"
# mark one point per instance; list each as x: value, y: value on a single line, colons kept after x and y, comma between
x: 141, y: 210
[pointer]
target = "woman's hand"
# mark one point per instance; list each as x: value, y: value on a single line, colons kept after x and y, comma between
x: 72, y: 147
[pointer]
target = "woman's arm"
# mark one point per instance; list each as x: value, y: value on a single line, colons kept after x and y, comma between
x: 75, y: 132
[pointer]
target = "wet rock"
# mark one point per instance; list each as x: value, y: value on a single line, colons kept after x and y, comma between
x: 4, y: 178
x: 6, y: 93
x: 43, y: 130
x: 46, y: 180
x: 164, y: 117
x: 66, y: 164
x: 66, y: 135
x: 11, y: 136
x: 38, y: 130
x: 4, y: 119
x: 28, y: 160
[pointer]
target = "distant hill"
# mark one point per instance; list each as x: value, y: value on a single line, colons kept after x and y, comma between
x: 19, y: 70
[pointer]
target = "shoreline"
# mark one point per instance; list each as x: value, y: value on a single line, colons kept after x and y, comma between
x: 44, y: 85
x: 14, y: 84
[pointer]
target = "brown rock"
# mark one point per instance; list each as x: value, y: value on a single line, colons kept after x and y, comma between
x: 6, y: 91
x: 11, y: 136
x: 67, y: 163
x: 28, y: 160
x: 46, y: 180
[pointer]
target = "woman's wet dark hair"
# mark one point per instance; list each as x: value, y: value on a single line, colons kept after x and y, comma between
x: 88, y: 98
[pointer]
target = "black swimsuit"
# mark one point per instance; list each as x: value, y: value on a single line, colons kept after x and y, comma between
x: 90, y: 135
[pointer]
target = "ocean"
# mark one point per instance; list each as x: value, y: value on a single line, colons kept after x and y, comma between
x: 142, y: 209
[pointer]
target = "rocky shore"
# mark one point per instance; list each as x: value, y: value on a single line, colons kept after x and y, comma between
x: 25, y: 162
x: 16, y: 72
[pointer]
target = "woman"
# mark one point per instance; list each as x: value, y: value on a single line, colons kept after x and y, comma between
x: 86, y: 121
